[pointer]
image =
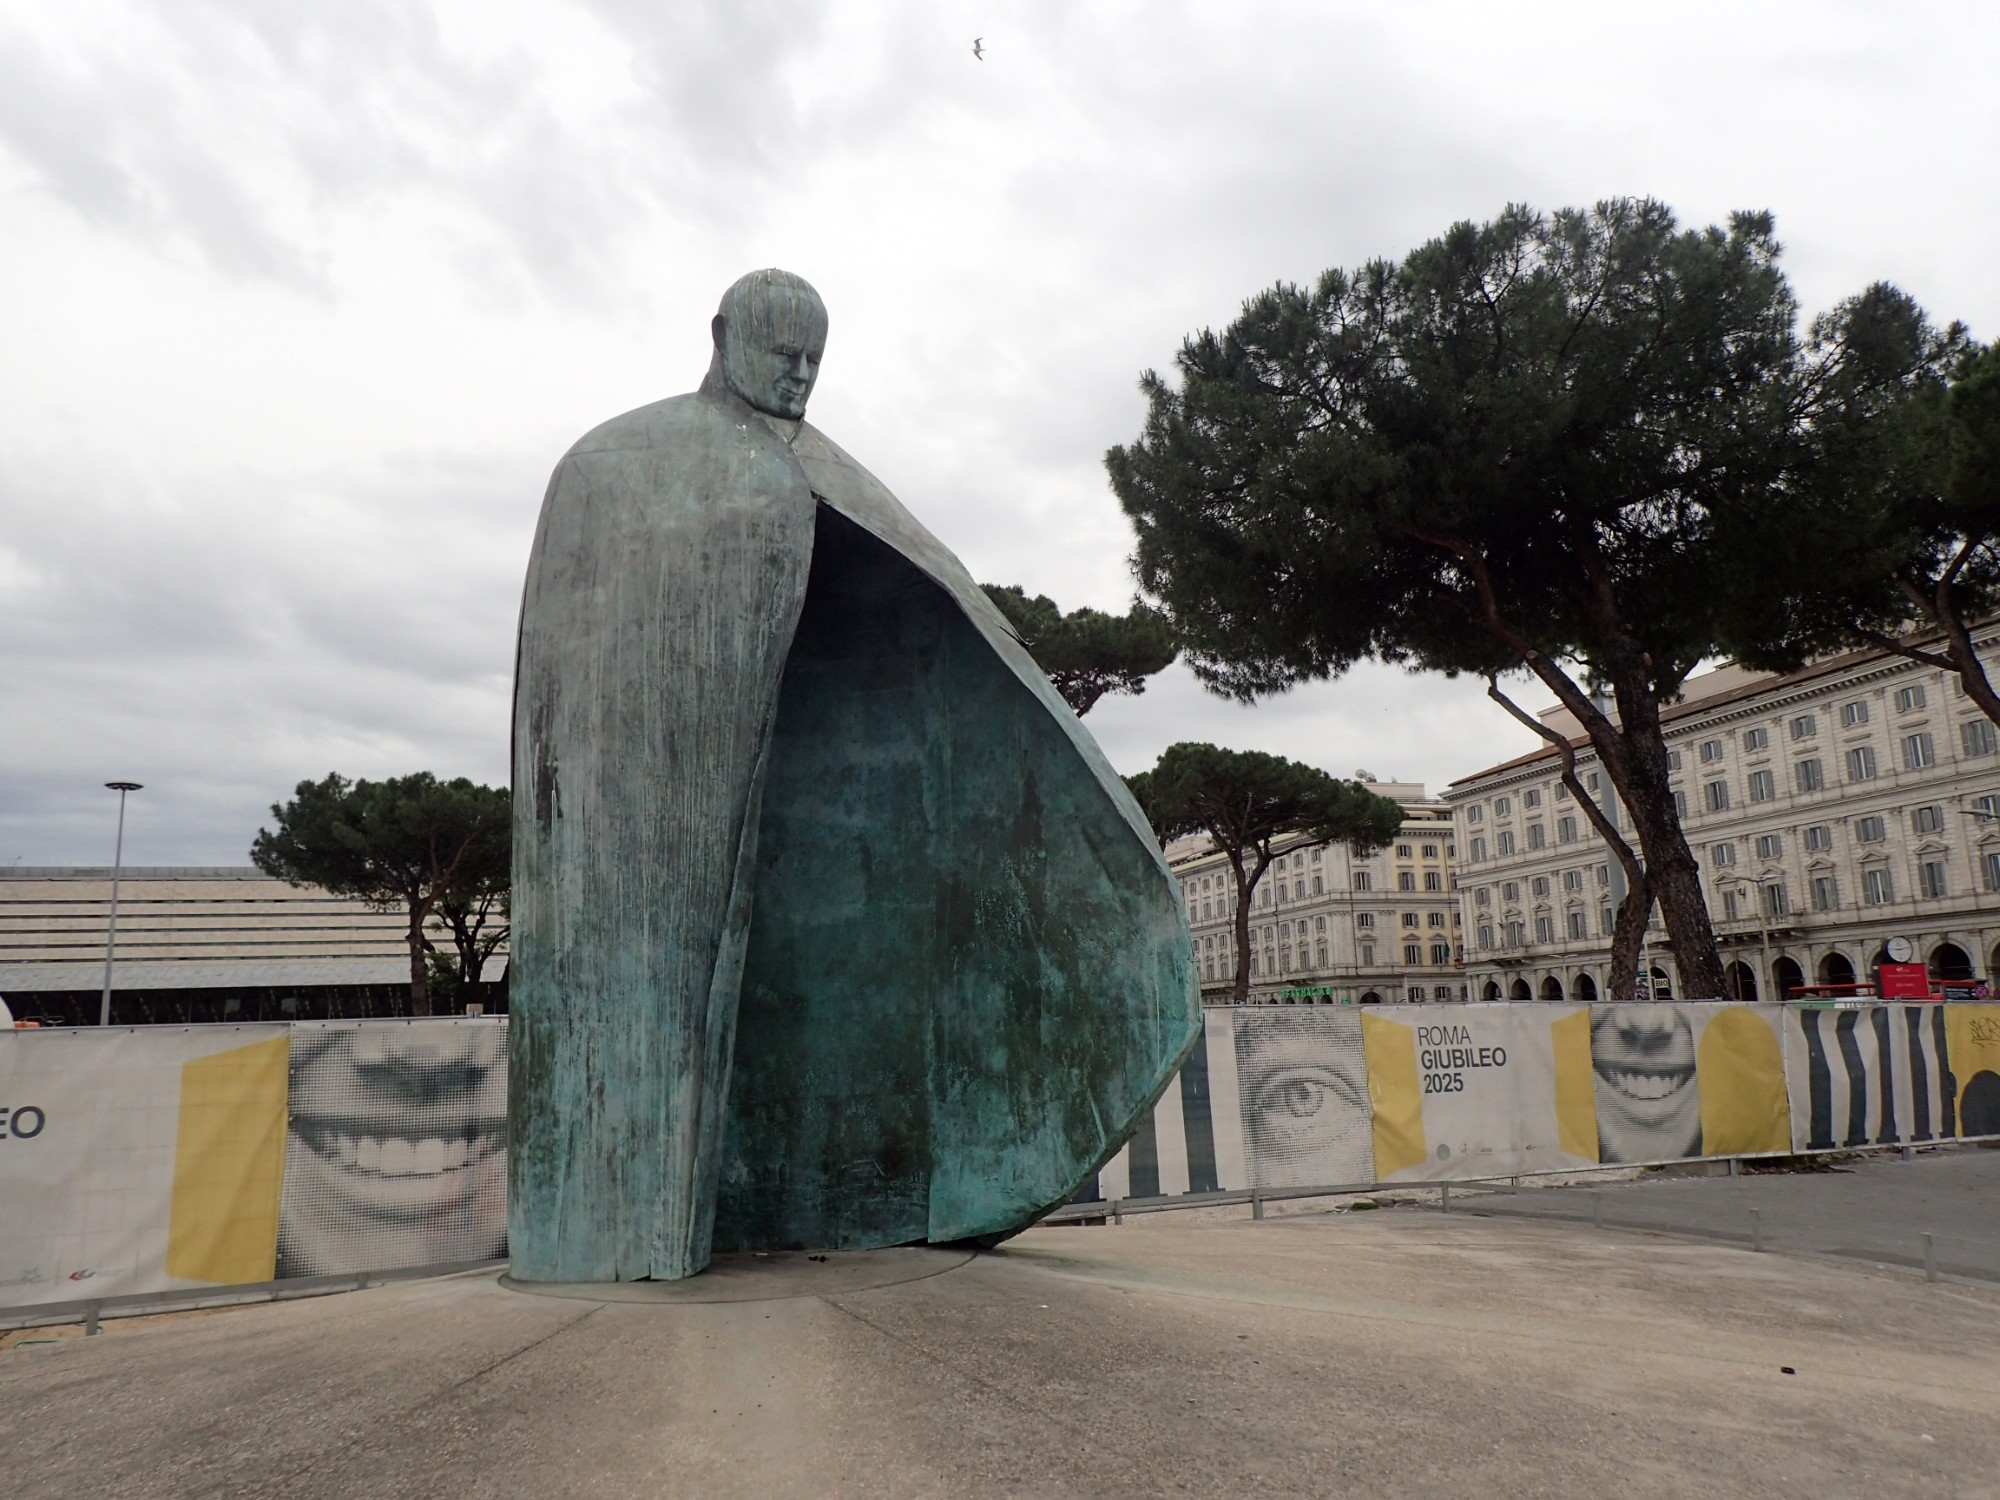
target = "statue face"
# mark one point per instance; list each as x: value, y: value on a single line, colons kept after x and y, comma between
x: 772, y: 363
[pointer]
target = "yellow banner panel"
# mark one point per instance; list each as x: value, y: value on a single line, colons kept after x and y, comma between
x: 1740, y: 1070
x: 1972, y: 1046
x: 1576, y: 1086
x: 229, y: 1165
x: 1394, y: 1095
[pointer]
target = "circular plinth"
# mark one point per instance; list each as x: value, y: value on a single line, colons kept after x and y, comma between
x: 766, y: 1276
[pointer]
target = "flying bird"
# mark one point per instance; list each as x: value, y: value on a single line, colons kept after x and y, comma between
x: 976, y: 50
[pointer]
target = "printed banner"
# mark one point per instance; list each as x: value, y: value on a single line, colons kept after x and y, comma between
x: 397, y: 1154
x: 1479, y: 1090
x: 138, y: 1160
x: 1672, y: 1081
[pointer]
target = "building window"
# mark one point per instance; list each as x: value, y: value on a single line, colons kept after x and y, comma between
x: 1577, y: 932
x: 1486, y: 928
x: 1673, y: 760
x: 1825, y: 893
x: 1483, y: 896
x: 1545, y: 929
x: 1367, y: 955
x: 1819, y: 839
x: 1540, y: 886
x: 1413, y: 953
x: 1930, y: 878
x: 1711, y: 752
x: 1680, y: 803
x: 1756, y: 739
x: 1853, y: 714
x: 1505, y: 842
x: 1562, y: 787
x: 1720, y: 855
x: 1804, y: 727
x: 1517, y: 933
x: 1414, y: 994
x: 1978, y: 737
x: 1769, y: 846
x: 1591, y: 781
x: 1319, y: 884
x: 1474, y: 813
x: 1572, y: 880
x: 1433, y: 880
x: 1861, y: 763
x: 1322, y: 955
x: 1605, y: 921
x: 1430, y: 851
x: 1918, y: 751
x: 1402, y: 851
x: 1716, y: 795
x: 1535, y: 839
x: 1405, y: 881
x: 1774, y: 899
x: 1434, y: 919
x: 1871, y: 829
x: 1877, y: 889
x: 1501, y: 807
x: 1478, y: 848
x: 1603, y: 876
x: 1440, y: 953
x: 1927, y: 819
x: 1986, y: 809
x: 1809, y: 776
x: 1409, y: 919
x: 1731, y: 907
x: 1362, y: 880
x: 1532, y: 797
x: 1990, y: 865
x: 1566, y: 830
x: 1909, y: 699
x: 1364, y: 919
x: 1762, y: 786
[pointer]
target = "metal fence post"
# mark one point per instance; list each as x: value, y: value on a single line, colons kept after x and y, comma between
x: 1597, y: 1208
x: 1930, y: 1257
x: 1118, y: 1210
x: 1735, y: 1167
x: 1444, y: 1199
x: 91, y: 1313
x: 1256, y: 1204
x: 1756, y: 1229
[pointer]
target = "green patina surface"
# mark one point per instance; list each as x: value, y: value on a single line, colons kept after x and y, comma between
x: 946, y: 1010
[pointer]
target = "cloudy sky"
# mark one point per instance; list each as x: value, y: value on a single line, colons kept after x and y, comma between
x: 299, y: 303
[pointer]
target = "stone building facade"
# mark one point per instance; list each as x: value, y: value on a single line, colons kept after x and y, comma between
x: 1328, y: 928
x: 1831, y: 810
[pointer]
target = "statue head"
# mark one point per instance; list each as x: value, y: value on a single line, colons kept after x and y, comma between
x: 769, y: 334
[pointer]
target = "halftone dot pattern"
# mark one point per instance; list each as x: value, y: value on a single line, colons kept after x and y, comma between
x: 1302, y: 1079
x: 396, y: 1151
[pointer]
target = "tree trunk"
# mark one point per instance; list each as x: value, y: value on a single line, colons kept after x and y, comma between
x: 1240, y: 990
x: 1671, y: 872
x: 420, y: 980
x: 1628, y: 940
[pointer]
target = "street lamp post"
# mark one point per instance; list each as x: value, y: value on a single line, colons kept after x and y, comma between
x: 117, y: 868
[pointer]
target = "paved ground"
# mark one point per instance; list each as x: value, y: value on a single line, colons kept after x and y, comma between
x: 1876, y: 1209
x: 1377, y: 1354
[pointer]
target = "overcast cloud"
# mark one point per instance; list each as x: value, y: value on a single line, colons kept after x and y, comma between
x: 302, y: 302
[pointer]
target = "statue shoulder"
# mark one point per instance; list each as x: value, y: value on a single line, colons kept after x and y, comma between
x: 672, y: 423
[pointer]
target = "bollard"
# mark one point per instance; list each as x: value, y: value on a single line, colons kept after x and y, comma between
x: 1756, y: 1229
x: 1930, y: 1257
x: 1444, y: 1199
x: 1256, y: 1204
x: 1597, y: 1208
x: 1909, y: 1153
x: 1118, y: 1210
x: 1734, y: 1164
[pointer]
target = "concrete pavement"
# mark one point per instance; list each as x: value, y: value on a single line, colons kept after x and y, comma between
x: 1876, y: 1209
x: 1391, y: 1354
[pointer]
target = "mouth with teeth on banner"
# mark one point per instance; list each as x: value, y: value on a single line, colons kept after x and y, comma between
x: 1648, y: 1108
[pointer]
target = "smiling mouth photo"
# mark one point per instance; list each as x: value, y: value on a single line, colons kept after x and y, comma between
x: 382, y: 1155
x: 1647, y: 1085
